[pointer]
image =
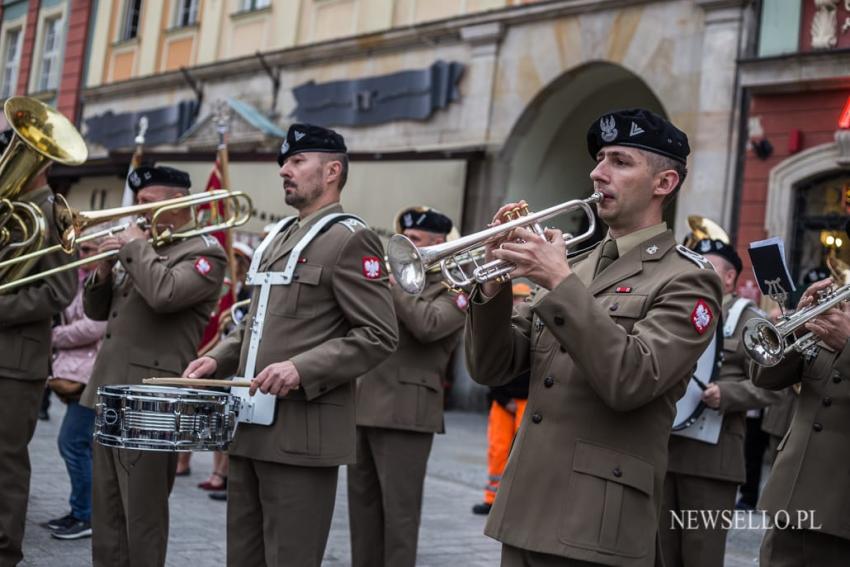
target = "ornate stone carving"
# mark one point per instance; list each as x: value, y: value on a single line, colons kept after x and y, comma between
x: 825, y: 24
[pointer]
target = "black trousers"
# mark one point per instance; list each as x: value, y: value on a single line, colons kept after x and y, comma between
x: 755, y: 445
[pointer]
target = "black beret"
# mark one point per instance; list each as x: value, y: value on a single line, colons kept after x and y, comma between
x: 144, y: 176
x: 424, y: 218
x: 638, y: 128
x: 709, y: 246
x: 5, y: 139
x: 309, y: 138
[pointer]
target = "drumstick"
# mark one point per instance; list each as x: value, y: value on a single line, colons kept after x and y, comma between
x: 703, y: 386
x: 197, y: 382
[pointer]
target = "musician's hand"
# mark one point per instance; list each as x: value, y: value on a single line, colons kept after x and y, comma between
x: 542, y: 259
x: 131, y: 233
x: 711, y: 396
x: 811, y: 294
x: 491, y: 288
x: 511, y: 406
x: 201, y: 367
x: 833, y: 327
x: 276, y: 379
x: 107, y: 244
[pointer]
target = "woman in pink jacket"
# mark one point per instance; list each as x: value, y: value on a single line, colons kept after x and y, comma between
x: 75, y: 344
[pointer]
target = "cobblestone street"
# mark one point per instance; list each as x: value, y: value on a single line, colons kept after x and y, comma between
x: 450, y: 534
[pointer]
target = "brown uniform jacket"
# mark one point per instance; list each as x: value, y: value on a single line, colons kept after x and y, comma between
x: 26, y: 313
x: 812, y: 467
x: 585, y: 476
x: 156, y: 313
x: 725, y: 460
x: 334, y: 323
x: 406, y: 391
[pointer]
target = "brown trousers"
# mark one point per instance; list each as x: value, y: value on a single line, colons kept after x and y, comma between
x: 702, y: 547
x: 278, y: 515
x: 803, y: 548
x: 385, y: 496
x: 516, y: 557
x: 19, y: 403
x: 130, y: 491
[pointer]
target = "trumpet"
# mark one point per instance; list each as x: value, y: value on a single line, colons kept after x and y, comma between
x: 71, y: 223
x: 767, y: 343
x: 410, y: 264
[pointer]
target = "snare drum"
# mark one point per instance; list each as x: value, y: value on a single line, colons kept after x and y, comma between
x: 159, y: 418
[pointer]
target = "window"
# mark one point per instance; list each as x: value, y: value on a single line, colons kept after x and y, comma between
x: 11, y: 59
x: 130, y: 22
x: 50, y: 49
x: 251, y: 5
x: 187, y: 13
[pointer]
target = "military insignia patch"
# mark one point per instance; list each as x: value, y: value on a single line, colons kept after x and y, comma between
x: 371, y: 267
x: 609, y: 128
x: 202, y: 266
x: 461, y: 301
x: 701, y: 316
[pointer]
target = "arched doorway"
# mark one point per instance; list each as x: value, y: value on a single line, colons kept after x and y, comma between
x: 546, y: 153
x: 820, y: 210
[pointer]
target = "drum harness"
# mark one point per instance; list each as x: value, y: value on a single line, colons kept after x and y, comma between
x: 260, y: 408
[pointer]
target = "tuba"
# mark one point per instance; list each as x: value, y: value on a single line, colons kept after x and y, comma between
x: 41, y: 135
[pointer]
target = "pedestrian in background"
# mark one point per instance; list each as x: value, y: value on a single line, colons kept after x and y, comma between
x: 75, y: 343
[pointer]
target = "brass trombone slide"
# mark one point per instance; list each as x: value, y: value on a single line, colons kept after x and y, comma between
x: 71, y: 223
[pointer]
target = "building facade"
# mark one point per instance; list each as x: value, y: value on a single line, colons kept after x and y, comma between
x: 460, y: 104
x: 794, y: 180
x: 43, y: 50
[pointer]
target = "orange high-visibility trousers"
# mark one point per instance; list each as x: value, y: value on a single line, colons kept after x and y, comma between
x: 501, y: 428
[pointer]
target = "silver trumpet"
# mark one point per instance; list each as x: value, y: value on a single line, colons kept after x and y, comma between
x: 410, y: 264
x: 767, y: 343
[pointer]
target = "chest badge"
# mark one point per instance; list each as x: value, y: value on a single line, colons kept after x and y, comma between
x: 624, y: 289
x: 651, y: 250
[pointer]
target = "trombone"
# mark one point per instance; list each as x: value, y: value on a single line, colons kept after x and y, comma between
x: 71, y: 223
x: 410, y: 264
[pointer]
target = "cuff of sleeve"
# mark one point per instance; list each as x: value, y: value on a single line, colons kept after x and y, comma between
x: 478, y: 297
x: 312, y: 388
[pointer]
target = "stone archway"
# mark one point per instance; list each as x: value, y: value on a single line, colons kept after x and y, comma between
x: 546, y: 153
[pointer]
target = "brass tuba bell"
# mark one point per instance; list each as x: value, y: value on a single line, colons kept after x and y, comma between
x: 41, y: 135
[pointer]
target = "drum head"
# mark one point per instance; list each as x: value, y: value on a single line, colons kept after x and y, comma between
x: 690, y: 406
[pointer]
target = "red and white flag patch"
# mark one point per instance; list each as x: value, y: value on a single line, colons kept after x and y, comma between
x: 202, y: 266
x: 701, y: 316
x: 462, y: 301
x: 371, y: 267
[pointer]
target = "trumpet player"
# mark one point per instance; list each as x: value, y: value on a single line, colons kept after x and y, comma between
x: 157, y: 307
x: 25, y: 324
x: 399, y: 408
x: 611, y: 341
x: 806, y: 494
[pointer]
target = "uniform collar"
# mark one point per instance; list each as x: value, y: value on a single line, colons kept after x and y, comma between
x: 650, y: 249
x: 326, y: 210
x: 627, y: 242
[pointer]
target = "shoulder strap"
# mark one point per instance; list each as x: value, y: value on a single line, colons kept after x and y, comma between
x: 321, y: 225
x: 258, y: 253
x: 735, y: 315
